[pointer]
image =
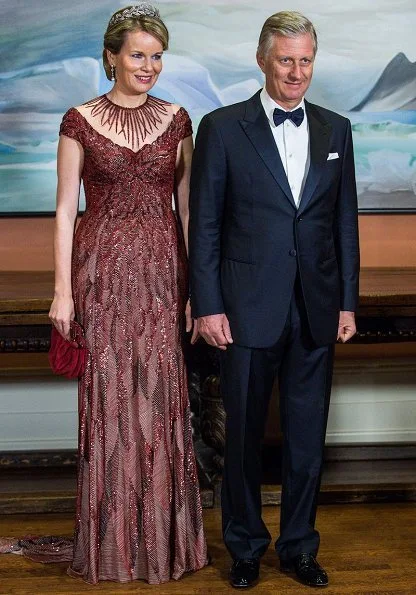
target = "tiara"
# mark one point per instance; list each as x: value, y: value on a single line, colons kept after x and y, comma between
x: 140, y: 10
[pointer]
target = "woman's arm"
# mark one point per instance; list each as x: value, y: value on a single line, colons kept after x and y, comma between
x: 70, y: 164
x: 182, y: 178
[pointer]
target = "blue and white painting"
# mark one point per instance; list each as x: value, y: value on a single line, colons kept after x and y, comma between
x: 365, y: 69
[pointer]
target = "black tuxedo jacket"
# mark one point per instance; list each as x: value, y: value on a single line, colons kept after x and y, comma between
x: 247, y: 238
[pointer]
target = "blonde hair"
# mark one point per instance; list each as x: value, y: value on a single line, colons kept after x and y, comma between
x: 286, y: 24
x: 115, y: 34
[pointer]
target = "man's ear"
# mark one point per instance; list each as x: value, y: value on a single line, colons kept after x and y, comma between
x: 260, y: 60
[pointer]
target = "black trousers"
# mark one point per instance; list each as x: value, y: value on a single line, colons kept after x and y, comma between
x: 247, y: 376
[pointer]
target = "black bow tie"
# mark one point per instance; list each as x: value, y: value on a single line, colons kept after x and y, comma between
x: 279, y: 116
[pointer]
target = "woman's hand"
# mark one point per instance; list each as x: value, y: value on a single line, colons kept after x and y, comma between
x: 191, y: 324
x: 61, y: 313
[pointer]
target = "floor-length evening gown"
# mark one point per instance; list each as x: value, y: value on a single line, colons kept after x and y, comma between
x: 138, y: 509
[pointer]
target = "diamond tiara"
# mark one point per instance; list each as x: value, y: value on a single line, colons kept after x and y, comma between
x: 140, y: 10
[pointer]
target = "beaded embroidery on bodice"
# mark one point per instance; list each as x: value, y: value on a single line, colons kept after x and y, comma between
x: 132, y: 128
x: 119, y: 180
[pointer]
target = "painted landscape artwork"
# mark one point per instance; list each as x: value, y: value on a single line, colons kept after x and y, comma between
x: 365, y: 69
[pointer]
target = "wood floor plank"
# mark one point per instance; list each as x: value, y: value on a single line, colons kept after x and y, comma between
x: 366, y: 549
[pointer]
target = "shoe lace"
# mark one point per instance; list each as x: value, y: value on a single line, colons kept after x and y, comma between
x: 309, y: 561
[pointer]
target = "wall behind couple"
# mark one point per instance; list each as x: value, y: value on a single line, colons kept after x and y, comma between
x: 52, y: 60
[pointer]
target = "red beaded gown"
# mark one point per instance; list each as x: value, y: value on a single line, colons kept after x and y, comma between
x: 138, y: 508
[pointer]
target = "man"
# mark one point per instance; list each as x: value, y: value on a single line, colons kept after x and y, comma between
x: 274, y: 282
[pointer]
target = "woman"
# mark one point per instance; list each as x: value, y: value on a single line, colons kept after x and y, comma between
x: 123, y: 276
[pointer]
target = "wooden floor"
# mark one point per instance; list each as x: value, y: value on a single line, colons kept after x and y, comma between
x: 367, y: 549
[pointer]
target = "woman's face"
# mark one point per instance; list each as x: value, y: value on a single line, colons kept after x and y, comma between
x: 138, y: 64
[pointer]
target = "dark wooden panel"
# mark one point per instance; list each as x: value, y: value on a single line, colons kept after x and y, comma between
x: 387, y: 310
x: 388, y: 287
x: 32, y: 291
x: 46, y: 481
x: 25, y: 291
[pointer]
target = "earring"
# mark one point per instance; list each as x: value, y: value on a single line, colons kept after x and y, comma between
x: 113, y: 72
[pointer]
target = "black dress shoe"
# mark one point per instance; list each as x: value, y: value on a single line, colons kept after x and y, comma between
x: 244, y: 573
x: 307, y: 570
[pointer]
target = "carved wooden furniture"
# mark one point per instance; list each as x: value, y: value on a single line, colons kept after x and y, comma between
x: 25, y: 298
x: 387, y: 308
x: 387, y: 314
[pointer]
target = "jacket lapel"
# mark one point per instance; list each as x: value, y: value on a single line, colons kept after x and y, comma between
x: 257, y: 129
x: 319, y: 135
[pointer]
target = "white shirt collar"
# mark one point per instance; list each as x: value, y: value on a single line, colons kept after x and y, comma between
x: 270, y: 104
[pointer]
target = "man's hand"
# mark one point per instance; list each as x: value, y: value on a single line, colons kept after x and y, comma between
x: 215, y: 329
x: 191, y: 324
x: 346, y: 326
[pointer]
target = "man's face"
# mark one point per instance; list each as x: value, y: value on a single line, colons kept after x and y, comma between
x: 288, y: 67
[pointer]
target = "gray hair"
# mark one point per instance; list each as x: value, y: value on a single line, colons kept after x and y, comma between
x: 286, y: 24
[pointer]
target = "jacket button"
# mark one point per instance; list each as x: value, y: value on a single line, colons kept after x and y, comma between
x: 299, y: 218
x: 292, y: 252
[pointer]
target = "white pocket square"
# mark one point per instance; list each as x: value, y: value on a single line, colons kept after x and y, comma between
x: 332, y: 156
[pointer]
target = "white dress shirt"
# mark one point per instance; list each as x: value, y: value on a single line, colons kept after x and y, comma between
x: 292, y: 143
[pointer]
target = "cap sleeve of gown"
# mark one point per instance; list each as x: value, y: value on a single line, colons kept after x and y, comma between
x: 70, y: 125
x: 184, y: 123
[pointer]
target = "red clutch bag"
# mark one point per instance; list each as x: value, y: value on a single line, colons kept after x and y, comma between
x: 68, y: 357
